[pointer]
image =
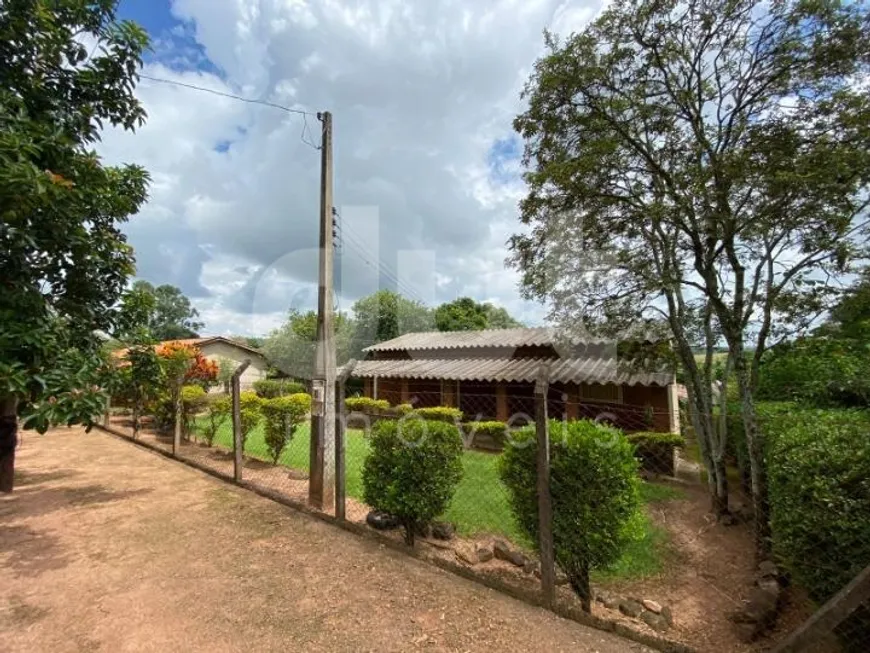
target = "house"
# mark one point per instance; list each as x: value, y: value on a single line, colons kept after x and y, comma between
x: 218, y: 347
x: 491, y: 374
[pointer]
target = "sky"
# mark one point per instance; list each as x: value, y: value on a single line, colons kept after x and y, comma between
x: 426, y: 163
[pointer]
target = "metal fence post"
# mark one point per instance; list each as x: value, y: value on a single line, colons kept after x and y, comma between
x: 545, y: 504
x: 238, y: 445
x: 341, y: 440
x: 176, y: 436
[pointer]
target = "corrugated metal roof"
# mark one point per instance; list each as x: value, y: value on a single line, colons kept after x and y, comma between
x: 565, y: 370
x: 518, y: 337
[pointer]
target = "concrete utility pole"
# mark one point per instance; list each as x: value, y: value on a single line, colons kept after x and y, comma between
x: 321, y: 485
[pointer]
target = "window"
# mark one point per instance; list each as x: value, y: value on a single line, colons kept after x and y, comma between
x: 597, y: 392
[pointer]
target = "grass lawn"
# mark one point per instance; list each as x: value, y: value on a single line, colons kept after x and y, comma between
x: 480, y: 505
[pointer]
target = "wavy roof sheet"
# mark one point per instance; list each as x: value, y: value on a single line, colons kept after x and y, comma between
x: 565, y: 370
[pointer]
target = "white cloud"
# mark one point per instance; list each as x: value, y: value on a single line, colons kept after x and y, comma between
x: 420, y: 93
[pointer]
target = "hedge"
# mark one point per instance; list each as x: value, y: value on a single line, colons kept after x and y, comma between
x: 656, y: 450
x: 412, y: 470
x: 271, y: 388
x: 366, y: 405
x: 439, y: 413
x: 486, y: 435
x: 282, y: 416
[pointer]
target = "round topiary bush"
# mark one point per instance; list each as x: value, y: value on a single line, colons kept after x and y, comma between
x: 595, y: 492
x: 412, y: 470
x: 282, y: 416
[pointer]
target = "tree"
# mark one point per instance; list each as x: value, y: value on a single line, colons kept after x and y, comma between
x: 463, y: 314
x: 292, y: 346
x: 145, y: 379
x: 595, y: 489
x: 707, y: 159
x: 282, y: 417
x: 497, y: 317
x: 171, y: 317
x: 65, y: 262
x: 385, y: 315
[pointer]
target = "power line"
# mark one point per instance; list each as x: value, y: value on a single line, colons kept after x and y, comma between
x: 240, y: 98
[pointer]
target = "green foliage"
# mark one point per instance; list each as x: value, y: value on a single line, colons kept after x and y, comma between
x: 282, y: 416
x: 249, y: 413
x: 217, y: 411
x: 595, y: 489
x: 366, y: 405
x: 145, y: 379
x: 497, y: 431
x: 385, y: 315
x: 65, y: 260
x: 440, y: 413
x: 292, y: 346
x: 403, y: 409
x: 413, y: 470
x: 271, y: 388
x: 193, y: 400
x: 647, y: 438
x: 465, y: 314
x: 171, y: 315
x: 226, y: 367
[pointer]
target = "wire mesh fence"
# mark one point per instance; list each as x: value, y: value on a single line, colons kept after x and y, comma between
x: 485, y: 531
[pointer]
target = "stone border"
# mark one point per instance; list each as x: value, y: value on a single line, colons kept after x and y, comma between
x: 527, y: 596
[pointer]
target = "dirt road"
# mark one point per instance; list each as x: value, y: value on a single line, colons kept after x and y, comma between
x: 106, y: 547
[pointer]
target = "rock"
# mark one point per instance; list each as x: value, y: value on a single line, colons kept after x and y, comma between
x: 770, y: 586
x: 382, y: 521
x: 443, y: 530
x: 502, y: 551
x: 423, y: 529
x: 767, y: 569
x: 630, y: 608
x: 668, y: 614
x: 611, y: 603
x: 297, y: 475
x: 531, y: 567
x: 484, y: 553
x: 652, y: 606
x: 467, y: 554
x: 728, y: 519
x: 561, y: 578
x: 655, y: 621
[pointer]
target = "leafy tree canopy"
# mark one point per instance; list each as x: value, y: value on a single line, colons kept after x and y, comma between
x: 465, y: 314
x: 167, y: 312
x: 385, y: 315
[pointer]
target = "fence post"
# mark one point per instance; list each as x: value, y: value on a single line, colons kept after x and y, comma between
x: 830, y: 615
x: 107, y: 416
x: 340, y: 439
x: 238, y: 446
x: 176, y: 436
x: 545, y: 504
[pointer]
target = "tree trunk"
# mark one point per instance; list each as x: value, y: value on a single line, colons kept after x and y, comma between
x: 8, y: 441
x: 410, y: 527
x: 755, y: 448
x: 700, y: 412
x: 579, y: 581
x: 136, y: 410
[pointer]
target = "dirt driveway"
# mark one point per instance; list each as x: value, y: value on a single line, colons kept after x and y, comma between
x: 106, y: 547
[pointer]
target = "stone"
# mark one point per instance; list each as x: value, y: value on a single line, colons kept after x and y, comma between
x: 728, y: 519
x: 652, y: 606
x: 443, y: 530
x: 655, y: 621
x: 767, y: 569
x: 423, y: 529
x: 611, y: 603
x: 771, y: 586
x: 531, y: 567
x: 484, y: 553
x: 467, y: 554
x: 630, y: 608
x: 668, y: 614
x: 297, y: 475
x: 502, y: 551
x: 382, y: 521
x: 561, y: 578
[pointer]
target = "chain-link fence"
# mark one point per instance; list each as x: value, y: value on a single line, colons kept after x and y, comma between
x: 635, y: 551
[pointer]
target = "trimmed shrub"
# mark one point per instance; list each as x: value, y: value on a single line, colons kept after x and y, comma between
x: 412, y: 470
x: 193, y: 399
x: 403, y: 409
x: 271, y: 388
x: 656, y: 450
x: 217, y: 411
x: 486, y: 435
x: 282, y: 416
x: 818, y: 467
x: 366, y: 405
x: 440, y: 413
x: 595, y: 490
x: 249, y: 413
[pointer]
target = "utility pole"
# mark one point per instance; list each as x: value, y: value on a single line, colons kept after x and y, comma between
x: 321, y: 485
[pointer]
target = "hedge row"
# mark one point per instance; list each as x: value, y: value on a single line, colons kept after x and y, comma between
x: 271, y: 388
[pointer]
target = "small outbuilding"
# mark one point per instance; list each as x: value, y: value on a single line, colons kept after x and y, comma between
x: 491, y: 374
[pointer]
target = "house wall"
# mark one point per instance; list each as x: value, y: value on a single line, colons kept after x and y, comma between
x: 256, y: 370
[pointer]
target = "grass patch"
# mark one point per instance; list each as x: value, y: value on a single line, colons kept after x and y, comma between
x: 480, y: 505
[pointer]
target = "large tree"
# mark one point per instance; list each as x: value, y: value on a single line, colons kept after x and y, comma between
x: 465, y: 314
x: 172, y: 317
x: 64, y: 261
x: 705, y: 159
x: 385, y: 315
x: 292, y: 346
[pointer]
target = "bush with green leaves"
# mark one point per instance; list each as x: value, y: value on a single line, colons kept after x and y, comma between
x: 440, y: 413
x: 412, y: 470
x: 217, y: 411
x: 271, y: 388
x: 818, y: 469
x: 656, y: 450
x: 366, y: 405
x: 595, y: 489
x: 249, y: 413
x: 193, y: 399
x: 488, y: 434
x: 403, y: 409
x: 282, y: 416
